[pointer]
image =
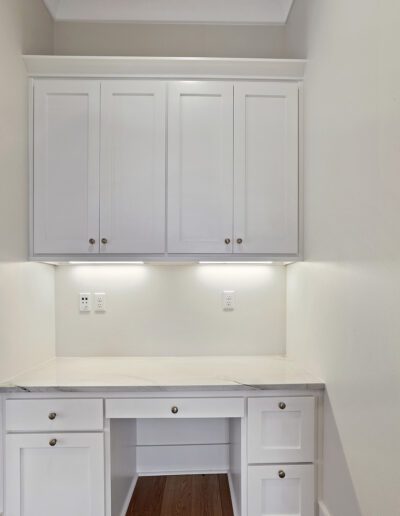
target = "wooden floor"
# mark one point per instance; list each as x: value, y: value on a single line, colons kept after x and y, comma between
x: 183, y: 495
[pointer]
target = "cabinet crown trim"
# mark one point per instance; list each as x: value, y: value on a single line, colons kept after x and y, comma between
x: 166, y: 67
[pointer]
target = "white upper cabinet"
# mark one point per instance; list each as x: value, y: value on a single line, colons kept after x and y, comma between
x: 132, y: 167
x: 266, y: 168
x: 161, y: 169
x: 66, y: 164
x: 200, y: 167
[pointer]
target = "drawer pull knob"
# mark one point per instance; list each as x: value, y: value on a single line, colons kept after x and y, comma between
x: 53, y: 442
x: 227, y: 241
x: 92, y: 241
x: 52, y: 416
x: 282, y: 474
x: 239, y: 240
x: 174, y: 410
x: 282, y: 405
x: 104, y: 241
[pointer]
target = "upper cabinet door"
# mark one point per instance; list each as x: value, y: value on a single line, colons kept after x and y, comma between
x: 266, y: 168
x: 200, y: 167
x: 132, y: 191
x: 66, y: 166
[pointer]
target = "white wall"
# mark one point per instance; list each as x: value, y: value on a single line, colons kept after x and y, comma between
x: 172, y: 310
x: 80, y: 38
x: 26, y: 290
x: 343, y: 303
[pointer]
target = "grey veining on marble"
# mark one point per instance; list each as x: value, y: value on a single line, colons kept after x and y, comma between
x: 148, y: 374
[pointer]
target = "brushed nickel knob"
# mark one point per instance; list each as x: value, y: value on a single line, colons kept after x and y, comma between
x: 282, y: 474
x: 104, y: 241
x: 52, y: 416
x: 227, y: 241
x: 174, y: 410
x: 282, y: 405
x: 53, y: 442
x: 92, y: 241
x: 239, y: 241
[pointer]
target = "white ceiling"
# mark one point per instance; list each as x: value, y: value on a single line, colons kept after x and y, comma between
x: 258, y: 12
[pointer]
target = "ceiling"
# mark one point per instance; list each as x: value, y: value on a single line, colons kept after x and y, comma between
x: 257, y: 12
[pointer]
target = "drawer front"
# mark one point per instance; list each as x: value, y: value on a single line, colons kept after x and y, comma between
x: 175, y: 408
x: 281, y: 489
x: 54, y: 415
x: 281, y: 430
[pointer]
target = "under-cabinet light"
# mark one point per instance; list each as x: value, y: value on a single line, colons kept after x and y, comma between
x: 106, y: 263
x: 235, y: 263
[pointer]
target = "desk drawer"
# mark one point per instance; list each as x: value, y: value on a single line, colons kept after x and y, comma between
x: 281, y: 430
x: 54, y: 415
x: 175, y: 408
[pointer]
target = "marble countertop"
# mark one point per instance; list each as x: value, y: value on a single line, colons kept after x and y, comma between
x: 163, y: 373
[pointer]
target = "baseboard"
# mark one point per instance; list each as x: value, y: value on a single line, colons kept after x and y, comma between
x: 182, y: 472
x: 128, y: 498
x: 323, y: 511
x: 236, y: 511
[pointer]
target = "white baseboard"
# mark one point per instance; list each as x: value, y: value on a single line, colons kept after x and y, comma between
x: 323, y: 511
x: 129, y: 495
x: 236, y: 511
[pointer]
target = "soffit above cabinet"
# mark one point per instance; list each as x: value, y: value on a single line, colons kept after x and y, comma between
x: 257, y: 12
x: 164, y: 67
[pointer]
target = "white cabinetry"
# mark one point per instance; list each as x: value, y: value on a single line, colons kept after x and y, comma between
x: 55, y: 474
x: 287, y: 490
x: 66, y: 166
x: 281, y: 430
x: 200, y: 167
x: 266, y: 168
x: 132, y: 191
x: 166, y: 169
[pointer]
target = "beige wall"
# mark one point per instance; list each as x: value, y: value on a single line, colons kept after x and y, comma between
x: 172, y: 310
x: 80, y: 38
x: 26, y: 290
x: 343, y: 303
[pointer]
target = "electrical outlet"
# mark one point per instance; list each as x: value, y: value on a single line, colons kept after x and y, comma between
x: 85, y: 302
x: 100, y: 302
x: 228, y: 300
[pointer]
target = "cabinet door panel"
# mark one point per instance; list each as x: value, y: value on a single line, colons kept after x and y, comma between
x: 271, y: 495
x: 266, y: 168
x: 281, y: 430
x: 133, y: 166
x: 66, y: 166
x: 65, y: 479
x: 200, y: 167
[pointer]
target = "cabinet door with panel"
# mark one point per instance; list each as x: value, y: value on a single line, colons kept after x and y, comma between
x: 266, y: 168
x: 284, y: 490
x: 132, y: 187
x: 54, y: 474
x: 200, y: 167
x: 66, y: 166
x: 281, y: 430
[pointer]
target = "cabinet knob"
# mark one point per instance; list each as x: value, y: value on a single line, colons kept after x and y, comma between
x: 227, y: 241
x: 174, y: 410
x: 239, y: 241
x: 282, y: 474
x: 92, y: 241
x: 104, y: 241
x: 52, y: 416
x: 53, y: 442
x: 282, y: 405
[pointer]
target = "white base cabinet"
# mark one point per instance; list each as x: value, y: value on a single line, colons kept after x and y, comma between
x: 281, y: 490
x: 55, y: 474
x: 77, y: 456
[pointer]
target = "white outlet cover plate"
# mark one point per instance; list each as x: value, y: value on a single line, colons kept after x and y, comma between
x: 228, y: 300
x: 100, y: 301
x: 85, y: 302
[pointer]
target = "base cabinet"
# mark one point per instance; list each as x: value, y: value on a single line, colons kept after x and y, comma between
x: 284, y: 490
x: 55, y: 474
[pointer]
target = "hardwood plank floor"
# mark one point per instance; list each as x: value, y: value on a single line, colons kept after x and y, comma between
x: 181, y: 495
